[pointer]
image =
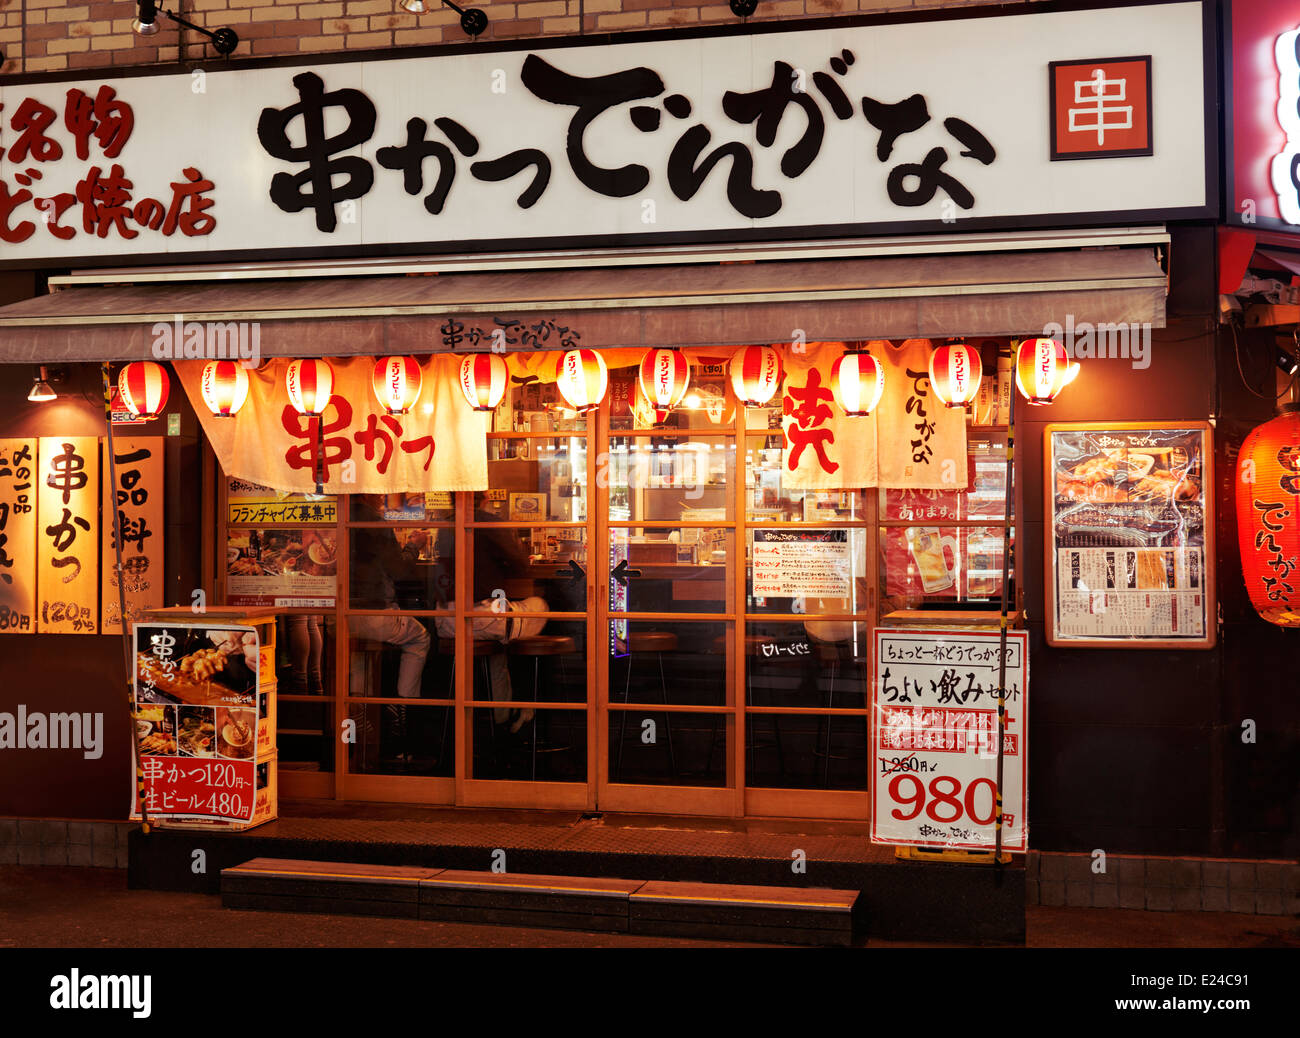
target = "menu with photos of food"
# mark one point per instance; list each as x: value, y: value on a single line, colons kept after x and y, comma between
x: 1130, y: 539
x: 281, y: 567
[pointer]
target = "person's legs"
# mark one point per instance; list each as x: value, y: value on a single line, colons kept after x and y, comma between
x: 315, y: 656
x: 485, y: 629
x: 299, y: 652
x: 412, y: 637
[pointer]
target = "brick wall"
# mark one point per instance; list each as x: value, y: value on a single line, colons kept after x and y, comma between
x: 52, y: 35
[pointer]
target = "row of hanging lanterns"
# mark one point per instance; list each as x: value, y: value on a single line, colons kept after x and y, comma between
x: 1042, y: 370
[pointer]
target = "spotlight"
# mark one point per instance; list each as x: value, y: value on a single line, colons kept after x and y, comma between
x: 42, y: 391
x: 742, y: 8
x: 414, y: 6
x: 472, y: 21
x: 224, y: 41
x: 1287, y: 362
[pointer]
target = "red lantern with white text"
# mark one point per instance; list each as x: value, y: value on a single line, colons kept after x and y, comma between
x: 1268, y: 517
x: 582, y: 378
x: 143, y: 386
x: 955, y: 373
x: 1043, y: 369
x: 756, y: 374
x: 224, y: 386
x: 483, y: 380
x: 858, y: 381
x: 310, y: 384
x: 396, y: 382
x: 664, y: 376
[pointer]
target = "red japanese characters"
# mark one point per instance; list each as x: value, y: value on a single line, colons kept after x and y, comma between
x: 396, y: 382
x: 756, y: 374
x: 224, y: 386
x: 859, y: 381
x: 1268, y: 517
x: 955, y: 374
x: 483, y: 380
x: 582, y: 378
x: 143, y: 387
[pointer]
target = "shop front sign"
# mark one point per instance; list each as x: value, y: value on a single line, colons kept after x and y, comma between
x: 939, y: 124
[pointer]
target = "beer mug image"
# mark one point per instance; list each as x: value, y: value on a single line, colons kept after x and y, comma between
x: 927, y: 549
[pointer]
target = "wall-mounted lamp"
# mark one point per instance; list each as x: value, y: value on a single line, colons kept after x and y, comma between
x: 224, y: 41
x: 742, y: 8
x: 472, y: 21
x: 42, y: 391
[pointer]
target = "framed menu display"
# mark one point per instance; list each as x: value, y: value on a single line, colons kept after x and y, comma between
x: 1129, y: 538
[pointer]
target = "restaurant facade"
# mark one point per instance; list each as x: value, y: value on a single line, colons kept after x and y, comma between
x: 585, y: 440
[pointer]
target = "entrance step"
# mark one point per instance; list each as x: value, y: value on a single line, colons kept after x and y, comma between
x: 781, y: 915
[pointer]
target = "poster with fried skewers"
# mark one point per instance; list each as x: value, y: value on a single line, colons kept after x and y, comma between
x: 1129, y: 535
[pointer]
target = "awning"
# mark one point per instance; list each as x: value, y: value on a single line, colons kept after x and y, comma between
x: 895, y: 297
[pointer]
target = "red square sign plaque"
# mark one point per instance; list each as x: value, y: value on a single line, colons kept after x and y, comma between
x: 1100, y: 109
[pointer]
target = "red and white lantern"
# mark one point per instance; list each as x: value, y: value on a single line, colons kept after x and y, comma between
x: 396, y: 382
x: 483, y: 380
x: 955, y: 373
x: 665, y: 376
x: 756, y: 374
x: 582, y: 378
x: 1042, y: 370
x: 310, y: 384
x: 143, y: 386
x: 1268, y: 517
x: 858, y: 381
x: 224, y: 386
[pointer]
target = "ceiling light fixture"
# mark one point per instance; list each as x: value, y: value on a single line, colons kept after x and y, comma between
x: 224, y: 41
x: 473, y: 21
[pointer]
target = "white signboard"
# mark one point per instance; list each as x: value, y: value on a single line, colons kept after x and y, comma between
x: 934, y: 723
x: 946, y: 125
x: 788, y: 563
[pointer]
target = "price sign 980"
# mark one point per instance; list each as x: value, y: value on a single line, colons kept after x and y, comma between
x: 945, y: 803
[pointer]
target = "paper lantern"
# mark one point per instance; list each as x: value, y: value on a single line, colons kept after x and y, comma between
x: 1268, y: 517
x: 396, y: 382
x: 955, y: 373
x: 858, y: 381
x: 582, y: 378
x: 756, y: 374
x: 665, y: 376
x: 310, y: 384
x: 483, y: 380
x: 1042, y: 370
x: 142, y: 386
x: 224, y: 386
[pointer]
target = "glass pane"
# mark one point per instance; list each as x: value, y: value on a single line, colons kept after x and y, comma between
x: 434, y: 506
x: 402, y: 567
x: 282, y: 567
x: 519, y: 657
x: 682, y: 664
x: 304, y: 654
x: 392, y: 655
x: 535, y: 407
x: 704, y: 406
x: 663, y: 748
x: 937, y: 567
x: 402, y: 739
x: 662, y: 569
x: 304, y: 735
x: 811, y: 663
x: 792, y: 751
x: 807, y: 571
x: 984, y: 496
x: 534, y: 480
x: 669, y: 478
x: 537, y: 746
x: 768, y: 500
x: 534, y: 570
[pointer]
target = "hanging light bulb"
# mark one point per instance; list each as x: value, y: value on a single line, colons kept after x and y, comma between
x: 396, y: 382
x: 756, y: 374
x: 1042, y: 370
x: 143, y: 387
x: 483, y: 379
x: 224, y: 386
x: 955, y: 374
x: 858, y: 381
x: 310, y: 384
x: 582, y: 378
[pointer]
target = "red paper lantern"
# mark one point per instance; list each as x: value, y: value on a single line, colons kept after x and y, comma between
x: 955, y: 373
x: 310, y: 384
x: 1043, y: 369
x: 756, y: 374
x: 1268, y: 517
x: 582, y: 378
x: 143, y: 386
x: 483, y: 380
x: 859, y: 381
x: 396, y: 382
x: 224, y: 386
x: 664, y: 376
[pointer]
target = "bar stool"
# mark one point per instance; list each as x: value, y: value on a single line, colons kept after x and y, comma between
x: 827, y: 652
x: 641, y: 643
x: 483, y: 649
x: 535, y: 647
x: 752, y: 649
